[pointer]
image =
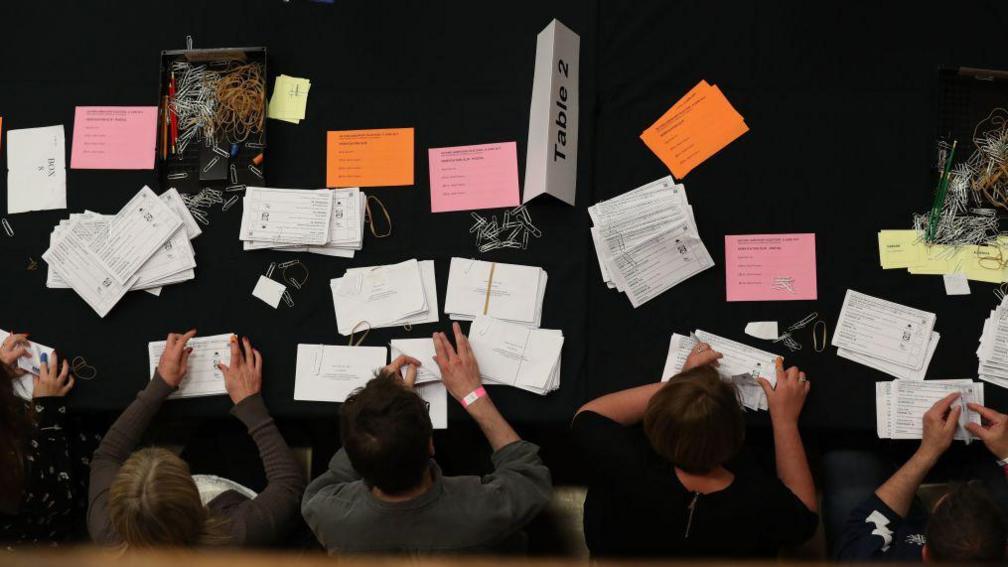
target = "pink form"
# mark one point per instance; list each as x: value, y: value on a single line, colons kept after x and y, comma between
x: 770, y: 267
x: 466, y: 178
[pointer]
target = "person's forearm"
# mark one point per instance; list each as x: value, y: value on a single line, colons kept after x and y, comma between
x: 625, y: 407
x: 898, y: 492
x: 496, y: 429
x: 120, y: 440
x: 792, y: 465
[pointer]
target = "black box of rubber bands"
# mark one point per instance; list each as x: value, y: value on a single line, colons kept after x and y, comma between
x: 212, y: 120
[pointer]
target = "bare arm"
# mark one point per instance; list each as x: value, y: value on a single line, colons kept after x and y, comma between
x: 786, y: 400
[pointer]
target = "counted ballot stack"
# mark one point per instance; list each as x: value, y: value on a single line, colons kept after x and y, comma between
x: 509, y: 292
x: 516, y: 355
x: 647, y: 240
x: 143, y: 246
x: 993, y: 350
x: 385, y: 296
x: 322, y: 221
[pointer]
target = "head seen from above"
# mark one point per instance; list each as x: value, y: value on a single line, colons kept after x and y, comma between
x: 966, y: 526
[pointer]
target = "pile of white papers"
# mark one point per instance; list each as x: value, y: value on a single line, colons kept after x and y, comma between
x: 741, y: 365
x: 993, y: 350
x: 516, y: 355
x: 886, y: 336
x: 509, y: 292
x: 36, y: 169
x: 143, y: 246
x: 323, y: 221
x: 203, y: 378
x: 647, y: 240
x: 24, y: 385
x: 385, y: 296
x: 900, y: 406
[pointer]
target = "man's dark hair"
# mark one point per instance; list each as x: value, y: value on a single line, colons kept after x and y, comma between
x: 386, y: 432
x: 695, y: 421
x: 967, y: 526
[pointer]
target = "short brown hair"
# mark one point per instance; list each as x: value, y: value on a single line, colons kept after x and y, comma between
x: 967, y: 526
x: 695, y: 421
x: 386, y: 431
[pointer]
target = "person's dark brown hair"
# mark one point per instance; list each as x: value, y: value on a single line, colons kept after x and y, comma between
x: 15, y: 425
x: 386, y: 431
x: 695, y: 421
x: 967, y: 526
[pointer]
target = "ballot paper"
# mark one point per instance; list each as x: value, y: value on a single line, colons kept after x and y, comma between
x: 172, y: 198
x: 36, y: 169
x: 515, y: 355
x: 891, y: 368
x: 330, y: 373
x: 203, y: 377
x: 509, y: 292
x: 646, y: 240
x: 992, y: 352
x: 286, y: 216
x: 270, y: 291
x: 32, y: 362
x: 436, y: 396
x: 385, y: 296
x: 956, y: 284
x: 884, y: 330
x: 422, y: 350
x: 345, y: 234
x: 741, y: 364
x: 900, y: 406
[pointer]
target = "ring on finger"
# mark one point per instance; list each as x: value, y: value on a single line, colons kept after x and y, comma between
x: 802, y: 379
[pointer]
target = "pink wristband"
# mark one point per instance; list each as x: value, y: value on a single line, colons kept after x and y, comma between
x: 471, y: 397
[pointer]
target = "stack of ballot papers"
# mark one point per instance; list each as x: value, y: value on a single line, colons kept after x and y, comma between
x: 647, y: 240
x: 31, y: 364
x: 329, y: 222
x: 385, y: 296
x: 509, y: 292
x: 741, y: 364
x: 143, y: 246
x: 886, y: 336
x: 513, y: 354
x: 906, y: 249
x: 698, y: 126
x: 993, y: 349
x: 330, y: 373
x: 203, y: 377
x: 428, y: 383
x: 900, y: 406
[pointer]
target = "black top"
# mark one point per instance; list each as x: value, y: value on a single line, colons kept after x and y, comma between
x: 636, y: 505
x: 874, y: 533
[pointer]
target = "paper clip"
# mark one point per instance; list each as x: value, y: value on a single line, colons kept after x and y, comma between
x: 234, y: 173
x: 7, y: 227
x: 1001, y: 291
x: 370, y: 216
x: 32, y: 264
x: 255, y: 145
x: 229, y: 203
x: 354, y: 331
x: 175, y: 175
x: 291, y: 281
x: 407, y: 326
x: 256, y: 171
x: 210, y: 164
x: 783, y: 283
x: 217, y: 150
x: 234, y: 188
x: 82, y: 370
x: 269, y: 270
x: 287, y: 299
x: 818, y: 345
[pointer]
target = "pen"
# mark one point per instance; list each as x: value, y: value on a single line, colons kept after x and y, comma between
x: 164, y: 128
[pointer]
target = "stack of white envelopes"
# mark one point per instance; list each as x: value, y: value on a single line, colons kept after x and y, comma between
x: 320, y: 221
x: 886, y: 336
x: 143, y: 246
x: 516, y: 355
x: 741, y: 364
x: 647, y: 240
x: 509, y: 292
x: 993, y: 350
x: 385, y: 296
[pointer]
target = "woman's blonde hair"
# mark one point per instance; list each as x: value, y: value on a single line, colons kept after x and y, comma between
x: 153, y: 501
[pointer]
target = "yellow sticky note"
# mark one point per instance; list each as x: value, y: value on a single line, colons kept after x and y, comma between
x: 935, y: 260
x: 898, y: 248
x: 290, y: 96
x: 973, y: 265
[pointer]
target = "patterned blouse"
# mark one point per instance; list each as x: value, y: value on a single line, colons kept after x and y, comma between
x: 45, y: 515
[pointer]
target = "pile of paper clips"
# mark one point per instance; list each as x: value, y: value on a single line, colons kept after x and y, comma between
x: 818, y: 334
x: 289, y: 272
x: 783, y: 283
x: 200, y: 203
x: 514, y: 232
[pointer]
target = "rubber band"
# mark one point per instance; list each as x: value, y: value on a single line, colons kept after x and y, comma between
x: 370, y: 216
x: 486, y: 302
x: 816, y: 344
x: 354, y: 331
x: 82, y: 370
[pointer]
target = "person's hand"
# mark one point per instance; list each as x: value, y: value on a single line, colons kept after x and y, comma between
x: 702, y: 355
x: 14, y: 347
x: 940, y: 425
x: 243, y: 377
x: 52, y: 380
x: 788, y: 396
x: 993, y: 432
x: 411, y: 364
x: 174, y: 361
x: 459, y: 370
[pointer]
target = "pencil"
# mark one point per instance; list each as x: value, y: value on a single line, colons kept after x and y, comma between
x: 164, y: 128
x: 939, y: 200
